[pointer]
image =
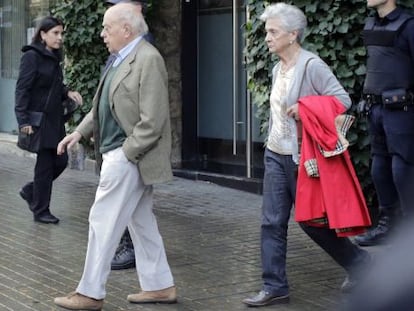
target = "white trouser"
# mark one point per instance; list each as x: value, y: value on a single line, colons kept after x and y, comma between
x: 123, y: 200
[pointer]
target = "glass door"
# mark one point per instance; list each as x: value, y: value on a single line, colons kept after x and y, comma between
x: 223, y: 115
x: 221, y: 87
x: 17, y: 24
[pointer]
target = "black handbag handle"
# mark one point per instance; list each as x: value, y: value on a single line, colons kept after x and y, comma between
x: 50, y: 92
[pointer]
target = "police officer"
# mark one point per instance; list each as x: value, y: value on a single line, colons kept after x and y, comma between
x: 388, y: 91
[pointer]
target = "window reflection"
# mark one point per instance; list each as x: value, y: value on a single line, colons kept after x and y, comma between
x: 214, y: 4
x: 207, y: 7
x: 18, y: 20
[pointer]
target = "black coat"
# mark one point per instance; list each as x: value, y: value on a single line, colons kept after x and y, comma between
x: 40, y: 84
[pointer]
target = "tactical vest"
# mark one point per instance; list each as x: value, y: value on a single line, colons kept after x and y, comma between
x: 388, y: 67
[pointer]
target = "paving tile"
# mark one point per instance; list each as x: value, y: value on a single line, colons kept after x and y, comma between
x: 211, y: 234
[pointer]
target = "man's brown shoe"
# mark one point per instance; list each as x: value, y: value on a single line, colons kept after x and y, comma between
x: 167, y: 295
x: 76, y: 301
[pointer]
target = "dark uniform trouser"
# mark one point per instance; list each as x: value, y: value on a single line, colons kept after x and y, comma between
x: 126, y: 239
x: 392, y: 147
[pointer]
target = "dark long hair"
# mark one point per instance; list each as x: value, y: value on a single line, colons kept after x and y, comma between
x: 45, y: 25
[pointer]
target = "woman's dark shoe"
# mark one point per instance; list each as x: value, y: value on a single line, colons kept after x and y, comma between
x: 28, y: 197
x: 46, y: 219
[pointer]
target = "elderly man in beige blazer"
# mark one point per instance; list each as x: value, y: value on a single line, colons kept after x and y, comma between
x: 131, y: 128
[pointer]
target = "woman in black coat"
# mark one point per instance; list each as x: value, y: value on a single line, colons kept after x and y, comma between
x: 39, y: 95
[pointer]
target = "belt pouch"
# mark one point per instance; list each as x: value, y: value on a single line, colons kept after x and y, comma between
x: 395, y: 99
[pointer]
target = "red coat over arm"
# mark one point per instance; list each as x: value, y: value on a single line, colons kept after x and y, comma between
x: 328, y: 187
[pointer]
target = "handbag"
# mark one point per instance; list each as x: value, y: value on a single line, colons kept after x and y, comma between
x: 29, y: 142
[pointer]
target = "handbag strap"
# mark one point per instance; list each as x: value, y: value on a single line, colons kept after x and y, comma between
x: 51, y: 90
x: 304, y: 73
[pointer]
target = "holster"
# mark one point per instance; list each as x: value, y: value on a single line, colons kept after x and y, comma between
x: 363, y: 108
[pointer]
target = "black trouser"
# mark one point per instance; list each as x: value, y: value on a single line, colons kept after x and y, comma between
x: 126, y: 239
x: 48, y: 167
x: 342, y: 250
x: 392, y: 145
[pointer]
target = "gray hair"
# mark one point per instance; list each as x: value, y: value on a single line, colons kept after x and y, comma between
x: 291, y: 17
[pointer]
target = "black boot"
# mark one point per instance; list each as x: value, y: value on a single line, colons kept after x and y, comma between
x: 125, y: 256
x: 377, y: 235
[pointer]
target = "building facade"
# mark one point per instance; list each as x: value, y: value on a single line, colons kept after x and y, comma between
x: 17, y: 21
x: 215, y: 132
x: 216, y: 129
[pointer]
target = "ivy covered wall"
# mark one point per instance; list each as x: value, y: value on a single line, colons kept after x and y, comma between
x: 86, y: 54
x: 334, y: 33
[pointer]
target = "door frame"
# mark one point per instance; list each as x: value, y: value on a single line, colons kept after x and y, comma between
x: 191, y: 153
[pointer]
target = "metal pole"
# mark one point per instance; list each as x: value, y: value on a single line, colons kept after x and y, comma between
x: 235, y: 73
x: 248, y: 117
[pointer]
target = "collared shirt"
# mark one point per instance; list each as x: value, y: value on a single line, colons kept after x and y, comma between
x: 123, y: 53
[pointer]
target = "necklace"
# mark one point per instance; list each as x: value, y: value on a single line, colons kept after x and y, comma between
x: 284, y: 67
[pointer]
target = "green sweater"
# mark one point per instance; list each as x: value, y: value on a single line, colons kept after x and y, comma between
x: 111, y: 134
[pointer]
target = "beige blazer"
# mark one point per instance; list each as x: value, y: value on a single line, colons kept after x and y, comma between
x: 138, y: 96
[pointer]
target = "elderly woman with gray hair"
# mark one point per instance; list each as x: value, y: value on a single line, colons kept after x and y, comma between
x: 299, y: 73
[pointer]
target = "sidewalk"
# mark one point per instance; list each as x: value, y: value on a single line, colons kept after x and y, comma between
x: 211, y: 234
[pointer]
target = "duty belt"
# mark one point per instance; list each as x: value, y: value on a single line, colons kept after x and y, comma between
x: 373, y: 99
x: 378, y: 99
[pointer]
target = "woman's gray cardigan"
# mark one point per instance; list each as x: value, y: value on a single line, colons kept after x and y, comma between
x: 312, y: 76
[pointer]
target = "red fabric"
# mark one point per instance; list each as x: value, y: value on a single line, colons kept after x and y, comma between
x: 336, y: 194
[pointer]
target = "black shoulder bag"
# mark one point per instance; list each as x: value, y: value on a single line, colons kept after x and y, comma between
x: 31, y: 142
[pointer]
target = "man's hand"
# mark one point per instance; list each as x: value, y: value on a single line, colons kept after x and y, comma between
x: 68, y: 142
